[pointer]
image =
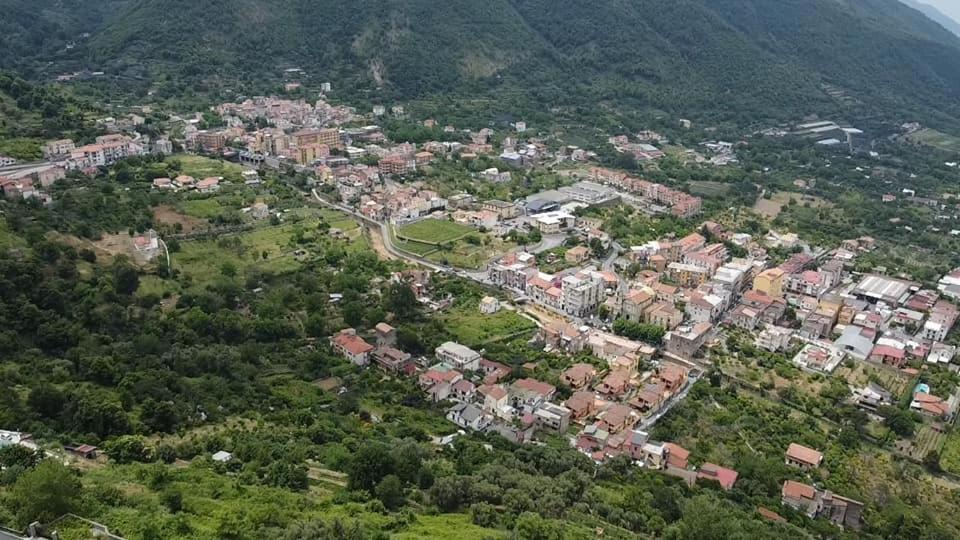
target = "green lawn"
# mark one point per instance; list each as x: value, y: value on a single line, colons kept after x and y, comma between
x: 474, y: 329
x: 201, y: 208
x: 201, y: 167
x: 434, y: 231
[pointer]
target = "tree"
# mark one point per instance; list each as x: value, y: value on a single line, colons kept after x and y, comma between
x: 46, y: 400
x: 46, y: 493
x: 390, y: 492
x: 371, y: 463
x: 159, y: 416
x: 402, y: 302
x: 128, y: 449
x: 531, y: 526
x: 126, y: 279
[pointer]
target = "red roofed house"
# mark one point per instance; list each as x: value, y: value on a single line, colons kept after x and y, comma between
x: 931, y: 405
x: 726, y: 477
x: 349, y: 345
x: 492, y: 371
x: 578, y: 375
x: 800, y: 496
x: 889, y: 355
x: 208, y: 185
x: 581, y: 404
x: 614, y: 384
x: 677, y: 456
x: 803, y: 457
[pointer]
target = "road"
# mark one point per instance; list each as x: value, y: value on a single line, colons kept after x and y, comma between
x: 482, y: 276
x: 649, y: 422
x: 384, y: 233
x: 25, y: 169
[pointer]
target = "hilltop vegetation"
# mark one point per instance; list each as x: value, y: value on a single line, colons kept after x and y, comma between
x: 734, y: 60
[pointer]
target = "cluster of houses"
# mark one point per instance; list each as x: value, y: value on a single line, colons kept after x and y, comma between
x: 105, y: 151
x: 681, y: 204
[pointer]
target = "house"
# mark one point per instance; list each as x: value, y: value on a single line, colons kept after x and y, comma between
x: 800, y: 497
x: 260, y: 210
x: 672, y: 376
x: 774, y: 338
x: 934, y: 406
x: 393, y: 360
x: 527, y: 394
x: 577, y: 255
x: 468, y: 416
x: 677, y: 456
x: 163, y: 183
x: 492, y: 371
x: 650, y: 397
x: 386, y: 335
x: 495, y: 398
x: 349, y: 345
x: 459, y: 356
x: 489, y: 305
x: 614, y: 384
x: 617, y: 418
x: 872, y: 397
x: 84, y: 451
x: 439, y: 374
x: 820, y: 357
x: 803, y: 457
x: 889, y: 351
x: 685, y: 342
x: 581, y: 405
x: 578, y: 375
x: 815, y: 503
x: 463, y: 390
x: 664, y: 314
x: 209, y: 185
x: 552, y: 417
x: 724, y: 476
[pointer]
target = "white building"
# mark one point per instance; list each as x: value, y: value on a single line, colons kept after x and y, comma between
x: 582, y: 293
x: 489, y: 305
x: 459, y: 356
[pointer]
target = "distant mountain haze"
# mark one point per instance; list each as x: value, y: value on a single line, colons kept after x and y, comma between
x: 946, y: 13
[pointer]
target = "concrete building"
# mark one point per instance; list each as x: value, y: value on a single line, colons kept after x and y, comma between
x: 460, y: 356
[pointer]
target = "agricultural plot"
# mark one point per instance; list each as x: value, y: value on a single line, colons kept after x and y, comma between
x: 936, y: 139
x: 433, y: 231
x: 475, y: 329
x: 709, y: 189
x: 201, y: 167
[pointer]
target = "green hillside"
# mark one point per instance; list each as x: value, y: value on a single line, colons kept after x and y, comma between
x: 739, y: 59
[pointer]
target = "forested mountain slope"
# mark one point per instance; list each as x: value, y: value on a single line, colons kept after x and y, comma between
x: 741, y: 58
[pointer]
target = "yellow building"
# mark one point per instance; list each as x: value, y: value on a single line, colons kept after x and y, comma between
x: 770, y: 282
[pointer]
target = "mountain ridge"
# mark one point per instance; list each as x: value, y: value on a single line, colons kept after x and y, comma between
x: 734, y: 58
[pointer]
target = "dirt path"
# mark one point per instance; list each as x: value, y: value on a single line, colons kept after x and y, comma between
x: 376, y: 241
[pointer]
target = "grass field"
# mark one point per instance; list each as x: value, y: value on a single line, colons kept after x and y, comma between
x: 204, y: 259
x: 774, y: 205
x: 709, y: 189
x: 474, y: 329
x: 950, y: 455
x: 201, y: 167
x: 936, y: 139
x: 201, y: 208
x: 434, y: 231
